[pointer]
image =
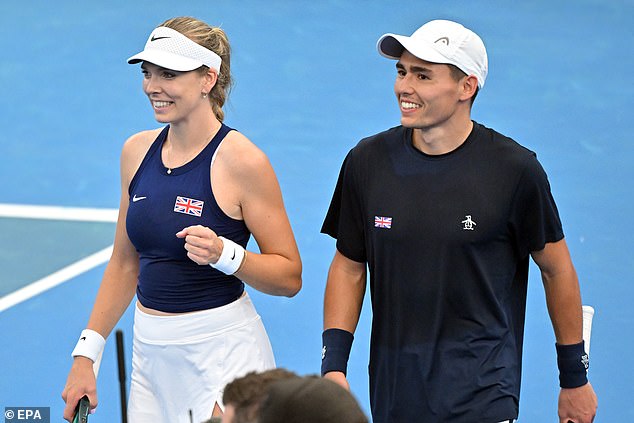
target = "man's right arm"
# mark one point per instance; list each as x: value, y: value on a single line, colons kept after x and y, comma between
x: 343, y: 299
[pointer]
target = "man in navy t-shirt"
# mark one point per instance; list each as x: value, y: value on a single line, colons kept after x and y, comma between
x: 445, y: 213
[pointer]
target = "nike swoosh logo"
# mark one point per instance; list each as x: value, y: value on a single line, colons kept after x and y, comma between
x: 83, y: 338
x: 135, y: 198
x: 234, y: 254
x: 154, y: 38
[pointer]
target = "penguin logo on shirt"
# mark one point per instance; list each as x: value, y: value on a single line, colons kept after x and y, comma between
x: 469, y: 224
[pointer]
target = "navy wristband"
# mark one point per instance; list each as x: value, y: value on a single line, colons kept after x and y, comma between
x: 573, y: 363
x: 335, y: 352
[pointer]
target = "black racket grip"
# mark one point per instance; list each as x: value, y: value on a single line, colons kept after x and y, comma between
x: 82, y: 410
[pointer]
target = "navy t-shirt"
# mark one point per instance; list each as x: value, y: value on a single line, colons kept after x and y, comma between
x: 447, y: 241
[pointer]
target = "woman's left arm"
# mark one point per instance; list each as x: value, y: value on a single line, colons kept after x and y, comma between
x: 245, y: 187
x: 277, y: 269
x: 245, y: 175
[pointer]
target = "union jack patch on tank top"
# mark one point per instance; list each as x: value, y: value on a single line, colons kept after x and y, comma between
x: 189, y: 206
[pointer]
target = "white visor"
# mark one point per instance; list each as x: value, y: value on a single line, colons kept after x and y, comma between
x: 170, y: 49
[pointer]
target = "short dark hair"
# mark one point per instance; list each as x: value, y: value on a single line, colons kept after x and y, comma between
x: 310, y: 399
x: 246, y: 393
x: 457, y: 74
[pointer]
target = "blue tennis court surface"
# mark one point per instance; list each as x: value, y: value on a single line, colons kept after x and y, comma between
x: 309, y: 85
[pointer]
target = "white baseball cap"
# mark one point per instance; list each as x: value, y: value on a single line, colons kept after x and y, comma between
x: 170, y: 49
x: 441, y: 41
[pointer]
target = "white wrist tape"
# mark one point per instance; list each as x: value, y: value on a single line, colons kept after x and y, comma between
x: 90, y: 345
x: 230, y: 258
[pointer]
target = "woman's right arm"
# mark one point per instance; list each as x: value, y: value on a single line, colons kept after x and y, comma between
x: 118, y: 285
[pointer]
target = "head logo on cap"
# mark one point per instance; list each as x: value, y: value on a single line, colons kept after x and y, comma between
x: 441, y: 41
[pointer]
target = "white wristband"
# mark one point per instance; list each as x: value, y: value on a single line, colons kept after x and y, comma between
x: 90, y: 345
x: 231, y: 257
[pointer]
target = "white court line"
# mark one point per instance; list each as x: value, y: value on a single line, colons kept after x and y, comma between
x: 76, y: 214
x: 56, y: 278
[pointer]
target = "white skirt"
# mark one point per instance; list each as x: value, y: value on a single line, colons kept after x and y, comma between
x: 183, y: 362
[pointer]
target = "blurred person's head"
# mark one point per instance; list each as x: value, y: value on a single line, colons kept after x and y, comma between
x: 310, y: 399
x: 244, y: 395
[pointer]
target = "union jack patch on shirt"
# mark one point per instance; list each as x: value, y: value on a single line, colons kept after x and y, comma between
x: 382, y: 222
x: 188, y: 206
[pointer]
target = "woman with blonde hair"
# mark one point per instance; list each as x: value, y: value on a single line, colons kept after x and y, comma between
x: 192, y: 194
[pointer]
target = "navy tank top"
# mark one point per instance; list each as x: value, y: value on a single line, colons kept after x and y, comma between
x: 161, y: 204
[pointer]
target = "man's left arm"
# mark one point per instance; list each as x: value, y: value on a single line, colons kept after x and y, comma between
x: 577, y: 404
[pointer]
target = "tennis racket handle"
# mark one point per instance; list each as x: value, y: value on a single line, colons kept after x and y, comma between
x: 82, y: 410
x: 588, y: 314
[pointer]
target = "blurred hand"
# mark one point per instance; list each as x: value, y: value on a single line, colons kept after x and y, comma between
x: 339, y: 378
